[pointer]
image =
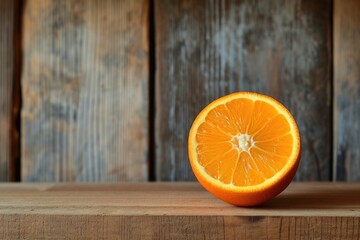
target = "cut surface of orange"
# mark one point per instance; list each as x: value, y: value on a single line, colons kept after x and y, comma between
x: 244, y: 148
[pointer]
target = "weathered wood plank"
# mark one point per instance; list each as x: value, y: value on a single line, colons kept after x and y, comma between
x: 175, y: 211
x: 85, y: 82
x: 207, y: 49
x: 7, y: 10
x: 177, y: 227
x: 347, y: 90
x: 299, y: 199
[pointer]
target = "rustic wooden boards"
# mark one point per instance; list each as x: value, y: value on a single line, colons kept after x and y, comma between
x: 86, y: 62
x: 85, y: 91
x: 176, y: 211
x: 7, y: 12
x: 206, y: 49
x: 346, y: 90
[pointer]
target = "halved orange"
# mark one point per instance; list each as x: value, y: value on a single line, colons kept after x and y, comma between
x: 244, y: 148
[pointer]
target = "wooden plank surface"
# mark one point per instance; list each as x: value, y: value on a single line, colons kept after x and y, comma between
x: 7, y: 10
x: 206, y: 49
x: 346, y: 90
x: 85, y: 91
x: 175, y: 210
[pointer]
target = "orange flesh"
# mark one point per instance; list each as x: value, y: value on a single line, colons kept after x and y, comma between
x: 243, y: 142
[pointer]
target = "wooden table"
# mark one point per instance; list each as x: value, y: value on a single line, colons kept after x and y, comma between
x: 175, y: 211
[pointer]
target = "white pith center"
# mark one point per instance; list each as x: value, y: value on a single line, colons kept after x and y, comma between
x: 244, y: 142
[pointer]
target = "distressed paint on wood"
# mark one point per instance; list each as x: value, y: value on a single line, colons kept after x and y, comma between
x: 346, y: 90
x: 207, y: 49
x: 7, y: 17
x: 85, y: 91
x: 175, y: 211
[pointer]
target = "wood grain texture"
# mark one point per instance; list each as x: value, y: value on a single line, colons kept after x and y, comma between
x: 207, y: 49
x: 175, y: 227
x: 7, y: 10
x: 346, y: 90
x: 85, y: 91
x: 175, y: 211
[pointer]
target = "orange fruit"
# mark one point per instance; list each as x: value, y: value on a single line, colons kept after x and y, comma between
x: 244, y: 148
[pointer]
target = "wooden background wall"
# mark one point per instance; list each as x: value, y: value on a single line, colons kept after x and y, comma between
x: 106, y: 91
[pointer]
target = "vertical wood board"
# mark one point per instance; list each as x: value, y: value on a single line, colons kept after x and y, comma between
x: 207, y: 49
x: 85, y: 91
x: 7, y: 10
x: 347, y: 90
